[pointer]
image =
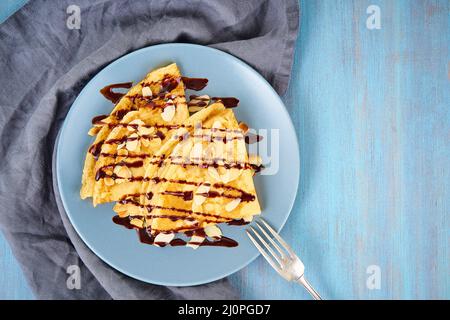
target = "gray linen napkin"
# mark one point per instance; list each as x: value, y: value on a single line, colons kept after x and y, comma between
x: 44, y: 65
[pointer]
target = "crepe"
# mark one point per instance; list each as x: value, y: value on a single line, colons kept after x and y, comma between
x: 170, y: 173
x: 136, y: 128
x: 199, y: 177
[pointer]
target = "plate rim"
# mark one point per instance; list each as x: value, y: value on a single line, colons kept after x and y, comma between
x: 67, y: 119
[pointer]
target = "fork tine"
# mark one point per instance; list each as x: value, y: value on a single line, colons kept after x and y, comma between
x: 277, y: 236
x: 264, y: 253
x: 267, y: 246
x: 271, y: 240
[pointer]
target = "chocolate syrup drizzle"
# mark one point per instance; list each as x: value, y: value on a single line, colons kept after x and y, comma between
x: 159, y: 161
x: 206, y: 163
x: 167, y: 126
x: 150, y: 208
x: 196, y: 84
x: 146, y: 237
x: 112, y: 96
x: 95, y: 149
x: 157, y: 135
x: 228, y: 102
x: 186, y: 195
x: 98, y: 119
x: 168, y: 84
x: 197, y: 101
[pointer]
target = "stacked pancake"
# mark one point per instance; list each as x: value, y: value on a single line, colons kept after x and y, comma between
x: 169, y: 173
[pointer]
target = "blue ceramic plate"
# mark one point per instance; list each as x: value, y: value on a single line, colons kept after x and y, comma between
x: 260, y: 107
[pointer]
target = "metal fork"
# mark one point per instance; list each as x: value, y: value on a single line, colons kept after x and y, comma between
x: 286, y: 262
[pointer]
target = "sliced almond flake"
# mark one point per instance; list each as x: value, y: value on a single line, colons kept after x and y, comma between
x: 138, y: 122
x: 232, y: 204
x: 122, y: 152
x: 168, y: 113
x: 122, y: 172
x: 134, y: 123
x: 199, y: 102
x: 196, y: 152
x: 163, y: 238
x: 147, y: 92
x: 137, y: 222
x: 133, y: 144
x: 199, y: 199
x: 116, y: 170
x: 109, y: 181
x: 225, y: 178
x: 115, y: 131
x: 203, y: 98
x: 193, y: 242
x: 213, y: 231
x: 146, y: 131
x: 248, y: 218
x: 214, y: 174
x: 120, y: 146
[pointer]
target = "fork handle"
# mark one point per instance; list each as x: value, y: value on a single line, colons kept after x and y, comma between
x: 302, y: 280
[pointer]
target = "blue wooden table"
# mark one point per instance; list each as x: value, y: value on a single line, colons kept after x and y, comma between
x: 372, y: 111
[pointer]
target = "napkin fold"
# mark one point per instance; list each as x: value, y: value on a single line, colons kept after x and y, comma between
x: 46, y: 60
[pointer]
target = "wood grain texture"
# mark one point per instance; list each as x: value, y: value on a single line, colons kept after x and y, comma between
x: 12, y: 281
x: 372, y: 113
x: 371, y: 109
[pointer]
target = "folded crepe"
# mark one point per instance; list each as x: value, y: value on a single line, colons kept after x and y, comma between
x: 170, y: 173
x: 138, y: 125
x: 199, y: 177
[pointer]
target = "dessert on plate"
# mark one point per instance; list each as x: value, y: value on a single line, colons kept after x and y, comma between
x: 174, y: 176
